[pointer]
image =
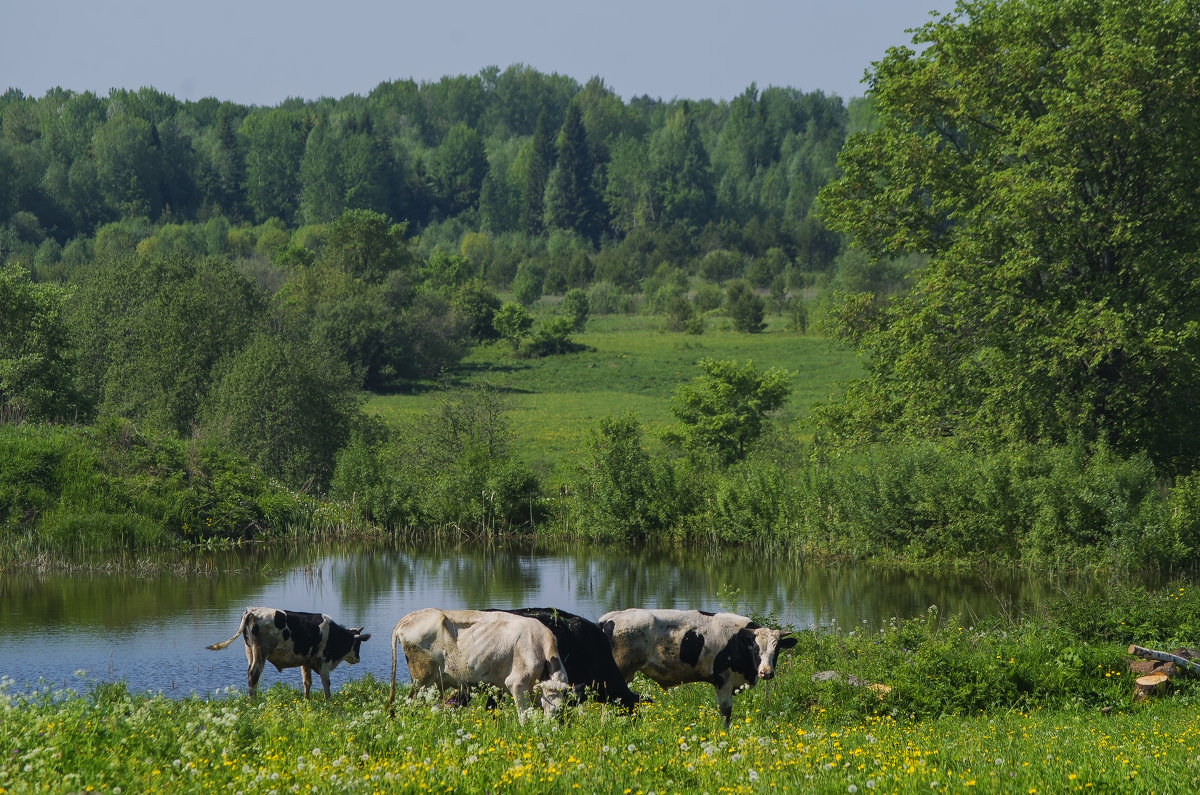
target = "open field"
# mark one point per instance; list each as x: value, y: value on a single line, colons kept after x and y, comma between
x: 631, y: 366
x: 111, y: 741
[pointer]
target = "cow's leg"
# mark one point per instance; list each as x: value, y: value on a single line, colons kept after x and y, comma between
x: 725, y: 700
x: 325, y: 681
x: 306, y: 677
x: 255, y: 660
x: 521, y: 690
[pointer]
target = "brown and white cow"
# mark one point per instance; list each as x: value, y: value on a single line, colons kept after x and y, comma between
x: 675, y: 647
x: 286, y: 638
x: 460, y: 648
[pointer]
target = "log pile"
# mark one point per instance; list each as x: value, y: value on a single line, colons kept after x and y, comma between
x: 1154, y: 669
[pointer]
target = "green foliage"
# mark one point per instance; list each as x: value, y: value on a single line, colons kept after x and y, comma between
x: 452, y: 467
x: 152, y: 331
x: 1026, y: 148
x: 745, y: 308
x: 105, y: 488
x: 367, y: 245
x: 477, y: 304
x: 724, y: 409
x: 37, y: 364
x: 576, y: 307
x: 621, y: 492
x: 284, y: 406
x: 512, y: 322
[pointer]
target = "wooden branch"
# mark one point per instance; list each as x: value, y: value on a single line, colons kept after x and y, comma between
x: 1138, y: 651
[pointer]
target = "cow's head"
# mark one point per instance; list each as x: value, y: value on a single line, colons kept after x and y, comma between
x: 554, y: 693
x: 769, y: 642
x: 358, y: 638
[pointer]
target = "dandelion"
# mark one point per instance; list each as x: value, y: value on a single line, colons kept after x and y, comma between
x: 852, y: 788
x: 753, y: 775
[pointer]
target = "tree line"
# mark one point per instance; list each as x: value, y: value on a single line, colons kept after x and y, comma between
x: 511, y: 152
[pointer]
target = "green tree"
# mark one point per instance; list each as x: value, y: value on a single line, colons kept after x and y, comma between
x: 151, y: 332
x: 619, y: 482
x: 575, y: 306
x: 367, y: 245
x: 129, y: 166
x: 745, y: 308
x: 286, y: 407
x: 512, y: 322
x: 274, y: 142
x: 37, y: 363
x: 682, y: 172
x: 460, y: 165
x: 723, y: 410
x: 1043, y: 154
x: 541, y: 162
x: 571, y: 199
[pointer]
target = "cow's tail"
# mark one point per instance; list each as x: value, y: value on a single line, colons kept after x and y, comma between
x: 241, y: 628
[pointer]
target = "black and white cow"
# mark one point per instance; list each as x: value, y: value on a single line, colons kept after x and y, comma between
x: 674, y: 647
x: 286, y: 639
x: 586, y: 654
x: 460, y: 648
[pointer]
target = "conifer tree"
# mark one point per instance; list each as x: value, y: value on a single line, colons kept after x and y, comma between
x: 541, y: 160
x: 572, y: 201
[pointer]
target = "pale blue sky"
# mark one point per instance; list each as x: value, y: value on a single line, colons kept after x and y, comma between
x: 264, y: 51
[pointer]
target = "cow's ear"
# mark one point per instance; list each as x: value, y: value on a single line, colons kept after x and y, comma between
x: 788, y: 641
x: 363, y: 637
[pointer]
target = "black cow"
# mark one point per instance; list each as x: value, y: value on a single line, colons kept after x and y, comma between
x: 674, y: 647
x: 285, y: 638
x: 586, y: 654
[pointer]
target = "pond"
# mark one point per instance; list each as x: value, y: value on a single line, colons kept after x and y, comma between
x: 150, y: 630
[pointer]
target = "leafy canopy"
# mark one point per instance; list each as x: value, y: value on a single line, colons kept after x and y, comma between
x: 724, y: 409
x: 1042, y: 152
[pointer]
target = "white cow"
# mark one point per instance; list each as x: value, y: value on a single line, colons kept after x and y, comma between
x: 674, y: 647
x: 460, y: 648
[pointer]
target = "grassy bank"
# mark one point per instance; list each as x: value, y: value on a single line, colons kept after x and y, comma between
x: 67, y: 491
x: 1022, y: 706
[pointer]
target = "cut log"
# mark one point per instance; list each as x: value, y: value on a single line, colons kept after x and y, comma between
x: 1138, y: 651
x: 1143, y: 667
x: 1149, y: 685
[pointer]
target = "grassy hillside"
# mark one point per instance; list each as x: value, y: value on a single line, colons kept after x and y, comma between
x: 632, y: 365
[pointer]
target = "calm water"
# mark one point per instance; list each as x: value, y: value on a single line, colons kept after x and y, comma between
x: 150, y: 631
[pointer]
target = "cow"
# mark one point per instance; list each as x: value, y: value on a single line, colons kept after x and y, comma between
x: 461, y: 648
x: 586, y: 655
x: 675, y: 647
x: 287, y: 639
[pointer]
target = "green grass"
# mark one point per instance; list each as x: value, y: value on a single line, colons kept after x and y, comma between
x: 632, y: 365
x: 109, y: 740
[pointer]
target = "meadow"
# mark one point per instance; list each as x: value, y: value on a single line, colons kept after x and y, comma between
x: 109, y: 740
x: 1030, y: 705
x: 631, y: 365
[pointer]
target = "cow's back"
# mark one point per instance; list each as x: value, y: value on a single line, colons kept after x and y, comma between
x: 671, y: 647
x: 469, y: 646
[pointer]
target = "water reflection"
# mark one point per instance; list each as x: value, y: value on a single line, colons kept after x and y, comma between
x: 151, y: 630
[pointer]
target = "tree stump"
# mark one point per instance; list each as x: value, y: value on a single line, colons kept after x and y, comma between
x: 1149, y: 685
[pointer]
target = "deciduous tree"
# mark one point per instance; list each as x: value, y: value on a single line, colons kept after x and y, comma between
x: 1042, y: 152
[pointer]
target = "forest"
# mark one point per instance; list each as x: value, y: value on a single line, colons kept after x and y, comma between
x: 197, y: 296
